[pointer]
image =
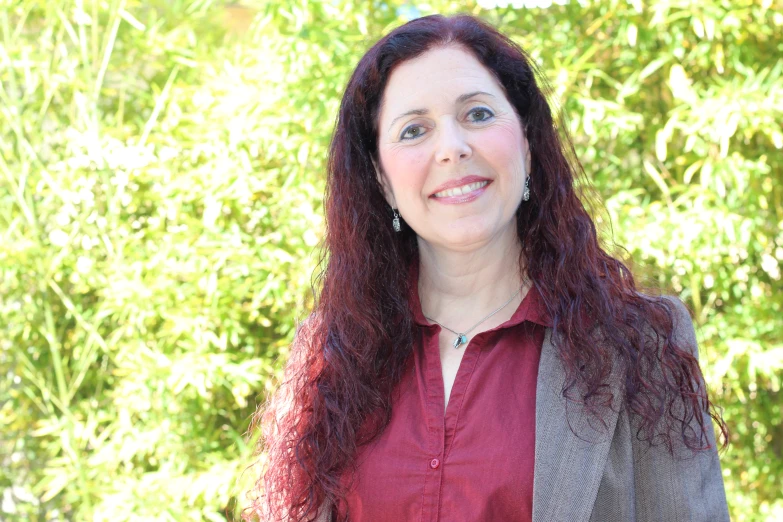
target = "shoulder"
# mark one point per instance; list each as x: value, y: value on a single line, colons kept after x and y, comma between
x: 676, y: 480
x: 668, y: 315
x: 307, y: 329
x: 682, y: 323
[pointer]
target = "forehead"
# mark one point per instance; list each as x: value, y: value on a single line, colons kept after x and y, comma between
x: 434, y: 80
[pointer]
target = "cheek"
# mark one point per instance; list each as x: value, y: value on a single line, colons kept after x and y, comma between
x: 405, y: 167
x: 503, y: 147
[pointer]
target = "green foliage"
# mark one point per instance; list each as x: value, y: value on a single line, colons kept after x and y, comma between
x: 161, y: 171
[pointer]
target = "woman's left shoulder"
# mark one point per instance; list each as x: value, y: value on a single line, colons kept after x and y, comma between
x: 672, y: 316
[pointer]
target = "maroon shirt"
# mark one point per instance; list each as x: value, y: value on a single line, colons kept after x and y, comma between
x: 475, y: 463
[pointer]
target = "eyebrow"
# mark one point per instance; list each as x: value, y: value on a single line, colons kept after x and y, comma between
x: 421, y: 112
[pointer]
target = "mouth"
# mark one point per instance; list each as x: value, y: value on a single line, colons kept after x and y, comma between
x: 461, y: 190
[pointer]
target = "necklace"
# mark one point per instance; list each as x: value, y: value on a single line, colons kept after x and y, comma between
x: 462, y: 337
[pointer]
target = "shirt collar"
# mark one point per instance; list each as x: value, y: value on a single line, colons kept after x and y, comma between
x: 531, y: 308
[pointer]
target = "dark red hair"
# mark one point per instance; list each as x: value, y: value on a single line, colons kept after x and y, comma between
x: 351, y: 352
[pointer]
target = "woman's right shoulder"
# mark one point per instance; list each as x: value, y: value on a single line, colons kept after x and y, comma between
x: 307, y: 326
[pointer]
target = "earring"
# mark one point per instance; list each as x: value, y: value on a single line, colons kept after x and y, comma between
x: 396, y: 221
x: 526, y: 193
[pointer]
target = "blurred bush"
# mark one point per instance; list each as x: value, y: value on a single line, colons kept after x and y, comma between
x: 161, y: 172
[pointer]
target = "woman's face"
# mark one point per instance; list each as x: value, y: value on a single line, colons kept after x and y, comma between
x: 453, y: 154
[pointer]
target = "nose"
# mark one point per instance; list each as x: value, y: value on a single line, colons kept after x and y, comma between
x: 451, y: 145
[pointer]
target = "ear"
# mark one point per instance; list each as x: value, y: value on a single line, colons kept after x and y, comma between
x: 528, y: 156
x: 385, y: 185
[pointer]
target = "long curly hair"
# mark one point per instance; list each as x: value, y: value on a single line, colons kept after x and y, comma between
x: 347, y: 357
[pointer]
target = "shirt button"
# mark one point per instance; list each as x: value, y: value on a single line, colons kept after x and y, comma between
x: 434, y: 463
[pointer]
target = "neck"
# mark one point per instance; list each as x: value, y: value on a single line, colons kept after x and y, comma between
x: 458, y: 288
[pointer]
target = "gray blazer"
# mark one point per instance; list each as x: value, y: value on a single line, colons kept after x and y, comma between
x: 613, y: 476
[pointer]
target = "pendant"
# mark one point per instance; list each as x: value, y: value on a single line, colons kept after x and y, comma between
x: 460, y: 340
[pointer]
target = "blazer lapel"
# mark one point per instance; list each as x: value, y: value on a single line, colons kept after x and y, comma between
x: 568, y: 469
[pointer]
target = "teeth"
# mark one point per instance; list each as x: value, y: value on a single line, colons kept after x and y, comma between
x: 464, y: 189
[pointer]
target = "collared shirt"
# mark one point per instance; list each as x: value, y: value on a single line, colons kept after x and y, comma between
x: 473, y: 462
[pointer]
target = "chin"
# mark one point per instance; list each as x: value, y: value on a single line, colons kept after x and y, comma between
x: 463, y: 239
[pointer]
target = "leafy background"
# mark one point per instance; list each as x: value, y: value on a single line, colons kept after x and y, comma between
x: 161, y: 175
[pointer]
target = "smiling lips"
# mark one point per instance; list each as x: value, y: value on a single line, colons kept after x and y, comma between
x: 461, y: 190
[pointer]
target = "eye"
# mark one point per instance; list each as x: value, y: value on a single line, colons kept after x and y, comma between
x: 411, y: 132
x: 481, y: 110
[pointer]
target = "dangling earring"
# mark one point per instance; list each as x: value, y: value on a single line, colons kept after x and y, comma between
x: 526, y: 193
x: 396, y: 221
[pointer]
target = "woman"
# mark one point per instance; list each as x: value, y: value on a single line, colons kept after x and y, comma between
x: 474, y: 355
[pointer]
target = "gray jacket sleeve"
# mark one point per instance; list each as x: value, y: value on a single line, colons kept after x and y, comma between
x: 648, y: 484
x: 324, y: 513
